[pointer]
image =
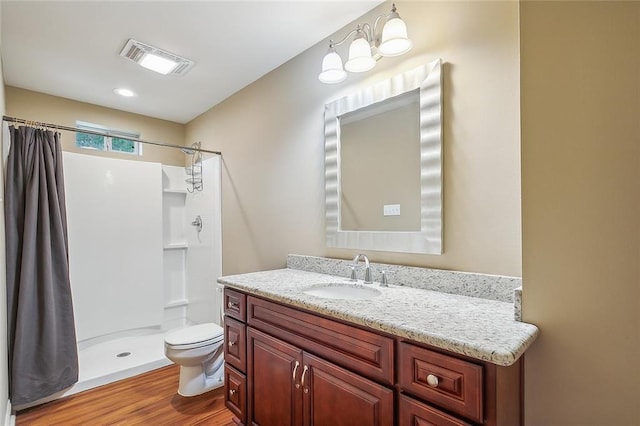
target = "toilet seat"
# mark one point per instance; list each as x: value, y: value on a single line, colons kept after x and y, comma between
x: 195, y: 336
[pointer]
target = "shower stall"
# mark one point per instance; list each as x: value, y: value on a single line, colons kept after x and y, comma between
x: 144, y: 256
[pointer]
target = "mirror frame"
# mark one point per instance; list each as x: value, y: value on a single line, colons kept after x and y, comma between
x: 428, y: 79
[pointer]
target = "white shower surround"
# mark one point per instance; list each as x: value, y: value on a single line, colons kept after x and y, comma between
x: 173, y: 294
x: 115, y: 243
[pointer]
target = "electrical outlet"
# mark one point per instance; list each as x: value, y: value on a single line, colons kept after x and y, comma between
x: 391, y: 210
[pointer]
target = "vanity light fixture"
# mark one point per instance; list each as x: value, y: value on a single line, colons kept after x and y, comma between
x: 368, y: 45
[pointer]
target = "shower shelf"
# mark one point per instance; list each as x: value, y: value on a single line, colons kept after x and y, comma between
x: 176, y: 246
x: 176, y: 303
x: 174, y: 191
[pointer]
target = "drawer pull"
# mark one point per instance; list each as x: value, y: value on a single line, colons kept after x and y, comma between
x: 233, y: 305
x: 231, y: 343
x: 295, y: 368
x: 232, y: 392
x: 304, y: 371
x: 432, y: 381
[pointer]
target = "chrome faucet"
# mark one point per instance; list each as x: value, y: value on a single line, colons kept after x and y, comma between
x: 367, y: 269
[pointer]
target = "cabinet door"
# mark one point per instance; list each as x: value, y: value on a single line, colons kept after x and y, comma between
x: 272, y: 371
x: 337, y: 397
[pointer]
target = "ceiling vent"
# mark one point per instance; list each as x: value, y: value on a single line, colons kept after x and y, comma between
x: 155, y: 59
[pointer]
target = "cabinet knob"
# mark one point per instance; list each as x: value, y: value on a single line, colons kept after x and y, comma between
x: 231, y: 343
x: 432, y: 380
x: 233, y: 305
x: 232, y: 392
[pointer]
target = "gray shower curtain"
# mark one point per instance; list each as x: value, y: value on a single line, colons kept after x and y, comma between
x: 43, y: 357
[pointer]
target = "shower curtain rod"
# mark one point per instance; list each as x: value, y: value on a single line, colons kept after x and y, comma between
x: 90, y: 132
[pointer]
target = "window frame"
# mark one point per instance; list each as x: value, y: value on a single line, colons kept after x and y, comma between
x: 108, y: 134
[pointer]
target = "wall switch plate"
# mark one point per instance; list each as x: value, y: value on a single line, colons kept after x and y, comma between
x: 391, y: 210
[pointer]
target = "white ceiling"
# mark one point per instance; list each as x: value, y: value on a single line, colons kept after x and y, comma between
x: 71, y: 48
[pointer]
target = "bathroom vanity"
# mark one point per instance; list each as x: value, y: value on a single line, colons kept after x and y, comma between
x: 385, y: 356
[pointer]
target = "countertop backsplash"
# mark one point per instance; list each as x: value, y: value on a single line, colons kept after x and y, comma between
x: 484, y: 286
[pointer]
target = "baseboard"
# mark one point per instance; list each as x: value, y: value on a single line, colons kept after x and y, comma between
x: 9, y: 419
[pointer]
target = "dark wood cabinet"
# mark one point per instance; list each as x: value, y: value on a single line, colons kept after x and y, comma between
x: 294, y: 367
x: 236, y: 393
x: 235, y: 343
x: 363, y: 351
x: 235, y: 304
x: 291, y: 387
x: 469, y: 390
x: 275, y: 396
x: 337, y: 397
x: 416, y: 413
x: 449, y: 382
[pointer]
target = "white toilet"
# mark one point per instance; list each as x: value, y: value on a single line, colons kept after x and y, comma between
x: 199, y: 351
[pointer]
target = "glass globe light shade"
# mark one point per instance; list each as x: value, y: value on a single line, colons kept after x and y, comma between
x: 360, y: 59
x: 394, y: 38
x: 332, y: 71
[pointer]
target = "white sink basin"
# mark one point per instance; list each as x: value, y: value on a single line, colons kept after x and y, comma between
x: 342, y: 291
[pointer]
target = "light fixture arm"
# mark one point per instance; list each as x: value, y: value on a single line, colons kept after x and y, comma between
x: 376, y: 34
x: 372, y: 35
x: 351, y: 33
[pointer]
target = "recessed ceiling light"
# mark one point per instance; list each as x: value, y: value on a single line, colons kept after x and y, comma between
x: 124, y: 92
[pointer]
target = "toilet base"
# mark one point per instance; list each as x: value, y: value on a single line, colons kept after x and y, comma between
x: 194, y: 381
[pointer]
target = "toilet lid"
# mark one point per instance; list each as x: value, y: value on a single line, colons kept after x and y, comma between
x: 194, y: 334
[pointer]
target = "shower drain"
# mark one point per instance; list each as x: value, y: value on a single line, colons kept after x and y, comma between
x: 123, y: 354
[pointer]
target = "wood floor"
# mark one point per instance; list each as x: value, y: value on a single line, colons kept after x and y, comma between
x: 147, y: 399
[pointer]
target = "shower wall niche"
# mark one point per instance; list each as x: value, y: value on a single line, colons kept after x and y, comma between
x: 174, y: 254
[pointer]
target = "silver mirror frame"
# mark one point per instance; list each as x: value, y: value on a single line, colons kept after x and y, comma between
x: 428, y: 79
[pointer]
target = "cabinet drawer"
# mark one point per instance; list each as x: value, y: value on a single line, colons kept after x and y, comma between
x: 448, y: 382
x: 235, y: 343
x: 235, y: 304
x: 362, y: 351
x: 236, y: 392
x: 416, y: 413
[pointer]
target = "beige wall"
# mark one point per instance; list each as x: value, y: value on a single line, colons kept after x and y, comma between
x: 580, y: 89
x: 52, y: 109
x: 271, y: 137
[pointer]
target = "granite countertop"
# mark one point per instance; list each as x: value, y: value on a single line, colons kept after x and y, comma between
x: 479, y: 328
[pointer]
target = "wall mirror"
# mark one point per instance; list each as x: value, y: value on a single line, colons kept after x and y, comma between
x: 383, y: 165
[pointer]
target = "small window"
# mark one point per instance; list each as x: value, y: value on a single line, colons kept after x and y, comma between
x: 109, y: 139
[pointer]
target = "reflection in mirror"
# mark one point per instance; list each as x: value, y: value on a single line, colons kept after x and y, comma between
x: 380, y: 166
x: 383, y: 165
